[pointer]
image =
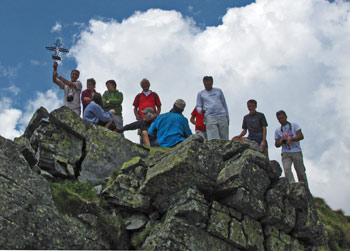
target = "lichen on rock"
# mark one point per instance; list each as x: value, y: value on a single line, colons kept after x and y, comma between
x: 69, y: 184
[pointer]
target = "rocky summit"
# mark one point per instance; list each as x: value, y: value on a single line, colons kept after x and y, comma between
x: 68, y: 184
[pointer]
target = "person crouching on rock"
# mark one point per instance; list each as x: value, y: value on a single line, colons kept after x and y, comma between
x: 143, y: 124
x: 95, y: 114
x: 172, y: 127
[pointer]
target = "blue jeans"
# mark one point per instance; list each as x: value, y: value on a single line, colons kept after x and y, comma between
x: 258, y: 140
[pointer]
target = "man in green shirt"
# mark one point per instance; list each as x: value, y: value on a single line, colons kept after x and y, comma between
x: 113, y: 99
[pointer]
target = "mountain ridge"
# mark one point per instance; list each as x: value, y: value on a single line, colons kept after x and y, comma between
x: 98, y: 190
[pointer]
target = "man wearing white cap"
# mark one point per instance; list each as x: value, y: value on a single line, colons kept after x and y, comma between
x: 172, y: 127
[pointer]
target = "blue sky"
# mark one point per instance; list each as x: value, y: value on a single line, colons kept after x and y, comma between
x: 27, y: 25
x: 290, y: 54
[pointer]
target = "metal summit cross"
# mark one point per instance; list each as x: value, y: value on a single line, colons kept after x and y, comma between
x: 57, y: 49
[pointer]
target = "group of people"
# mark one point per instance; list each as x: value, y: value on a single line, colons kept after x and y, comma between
x: 210, y: 117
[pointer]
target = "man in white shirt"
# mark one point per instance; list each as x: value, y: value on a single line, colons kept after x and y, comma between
x: 288, y: 136
x: 72, y: 89
x: 211, y: 102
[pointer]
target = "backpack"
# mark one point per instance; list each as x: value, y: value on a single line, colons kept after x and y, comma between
x: 139, y: 96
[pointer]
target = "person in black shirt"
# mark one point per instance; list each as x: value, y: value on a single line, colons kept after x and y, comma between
x: 255, y: 122
x: 143, y: 125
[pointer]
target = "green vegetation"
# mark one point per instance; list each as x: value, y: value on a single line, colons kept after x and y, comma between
x: 138, y: 238
x: 111, y: 228
x: 74, y: 197
x: 337, y: 225
x: 112, y: 178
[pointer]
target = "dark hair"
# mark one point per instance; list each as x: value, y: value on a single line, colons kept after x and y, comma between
x: 145, y: 80
x: 208, y: 78
x: 112, y: 82
x: 281, y: 112
x: 97, y: 98
x: 76, y: 71
x: 252, y: 101
x: 91, y: 80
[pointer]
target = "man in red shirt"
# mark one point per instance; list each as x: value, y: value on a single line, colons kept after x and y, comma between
x: 197, y: 120
x: 145, y: 99
x: 86, y: 96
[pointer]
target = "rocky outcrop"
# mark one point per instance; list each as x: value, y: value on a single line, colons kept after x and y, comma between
x: 217, y: 195
x: 28, y: 216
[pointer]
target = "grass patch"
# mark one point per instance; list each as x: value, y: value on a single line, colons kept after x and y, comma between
x: 138, y: 238
x: 337, y: 225
x: 73, y: 197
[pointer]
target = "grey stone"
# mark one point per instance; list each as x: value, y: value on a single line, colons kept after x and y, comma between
x: 243, y: 201
x: 180, y: 168
x: 26, y: 150
x: 28, y: 217
x: 136, y: 221
x: 254, y: 233
x: 121, y: 193
x: 190, y: 205
x: 104, y: 151
x: 219, y: 224
x: 241, y: 173
x: 175, y: 234
x: 236, y: 234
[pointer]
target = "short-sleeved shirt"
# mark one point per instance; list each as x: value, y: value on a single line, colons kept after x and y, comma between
x: 142, y: 101
x: 72, y: 91
x: 200, y: 126
x: 254, y: 123
x: 289, y: 131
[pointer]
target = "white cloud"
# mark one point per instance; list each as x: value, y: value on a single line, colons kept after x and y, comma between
x: 9, y: 117
x: 49, y: 100
x: 15, y: 121
x: 34, y: 62
x: 9, y: 72
x: 290, y: 55
x: 12, y: 89
x: 56, y: 28
x: 191, y: 10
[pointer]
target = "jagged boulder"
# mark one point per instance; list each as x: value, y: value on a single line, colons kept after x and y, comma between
x: 66, y: 146
x: 177, y: 234
x: 28, y: 216
x: 191, y: 163
x: 199, y: 195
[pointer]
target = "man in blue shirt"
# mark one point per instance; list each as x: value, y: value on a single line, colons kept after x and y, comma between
x: 211, y: 102
x: 172, y: 127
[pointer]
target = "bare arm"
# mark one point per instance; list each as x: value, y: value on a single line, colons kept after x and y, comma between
x: 278, y: 142
x: 145, y: 138
x: 55, y: 75
x: 244, y: 131
x: 193, y: 120
x: 136, y: 112
x: 59, y: 80
x: 299, y: 136
x: 263, y: 142
x: 158, y: 108
x: 66, y: 82
x: 55, y: 80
